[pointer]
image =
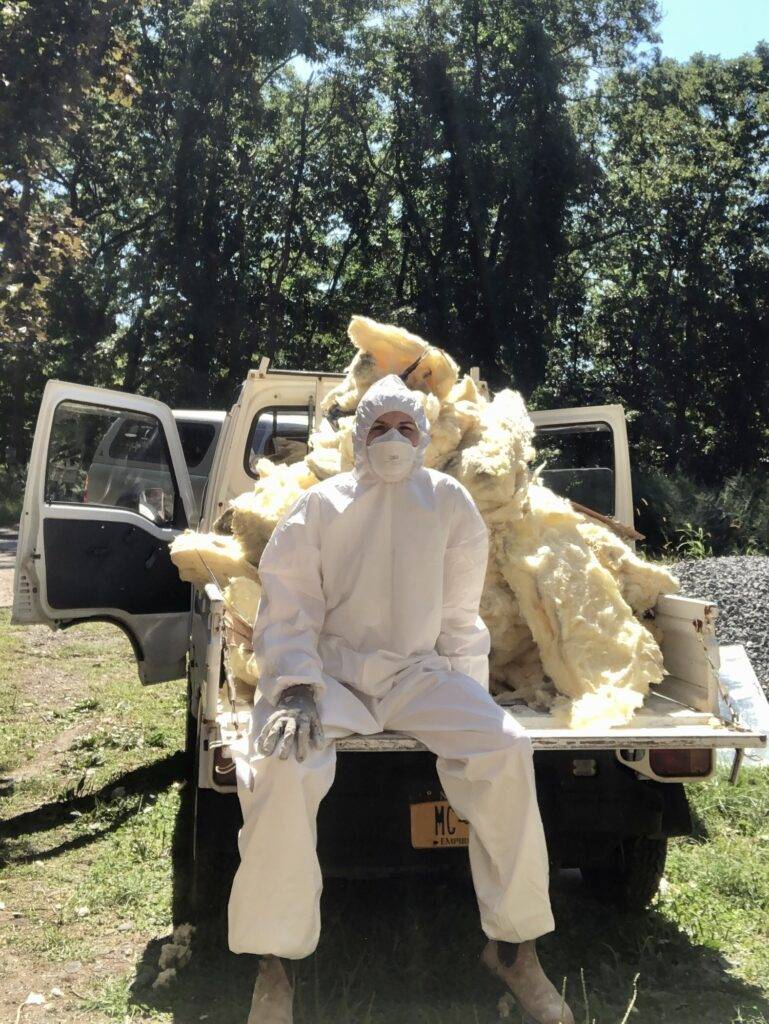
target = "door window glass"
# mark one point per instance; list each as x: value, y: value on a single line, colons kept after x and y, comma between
x: 103, y: 456
x: 579, y: 462
x: 138, y: 439
x: 279, y: 434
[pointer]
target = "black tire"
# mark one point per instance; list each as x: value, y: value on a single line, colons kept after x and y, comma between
x: 214, y: 858
x: 213, y: 846
x: 630, y: 876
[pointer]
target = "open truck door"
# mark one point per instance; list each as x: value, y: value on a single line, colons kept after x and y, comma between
x: 93, y: 545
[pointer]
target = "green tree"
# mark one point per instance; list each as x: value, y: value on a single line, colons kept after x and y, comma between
x: 525, y: 183
x: 665, y: 289
x: 163, y: 187
x: 54, y: 57
x: 476, y: 150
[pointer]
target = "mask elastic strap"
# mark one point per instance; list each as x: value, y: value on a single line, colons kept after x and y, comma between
x: 410, y: 369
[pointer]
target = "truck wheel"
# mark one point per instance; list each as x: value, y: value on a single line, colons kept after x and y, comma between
x: 631, y: 875
x: 214, y: 857
x: 213, y: 848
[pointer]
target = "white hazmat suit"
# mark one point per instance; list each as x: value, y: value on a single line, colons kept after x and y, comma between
x: 370, y: 595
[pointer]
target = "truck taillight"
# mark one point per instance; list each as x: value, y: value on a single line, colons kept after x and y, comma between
x: 683, y: 763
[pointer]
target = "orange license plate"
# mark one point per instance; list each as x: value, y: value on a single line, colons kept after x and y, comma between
x: 434, y: 824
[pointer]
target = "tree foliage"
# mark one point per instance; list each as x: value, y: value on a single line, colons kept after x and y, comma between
x: 190, y: 184
x: 668, y: 274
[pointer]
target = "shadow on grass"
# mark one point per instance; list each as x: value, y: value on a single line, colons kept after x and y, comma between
x: 406, y: 950
x: 154, y: 777
x: 699, y: 828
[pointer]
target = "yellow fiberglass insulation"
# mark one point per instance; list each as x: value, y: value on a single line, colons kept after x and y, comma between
x: 564, y: 595
x: 203, y: 558
x: 255, y: 514
x: 592, y: 646
x: 241, y: 599
x: 383, y: 349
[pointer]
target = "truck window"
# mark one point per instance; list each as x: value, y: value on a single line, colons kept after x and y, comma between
x: 280, y: 434
x: 103, y: 456
x: 579, y: 461
x: 196, y: 439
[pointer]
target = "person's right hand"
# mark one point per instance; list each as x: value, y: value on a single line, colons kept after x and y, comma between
x: 293, y: 725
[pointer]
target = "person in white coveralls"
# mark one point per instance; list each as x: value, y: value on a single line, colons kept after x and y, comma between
x: 368, y: 620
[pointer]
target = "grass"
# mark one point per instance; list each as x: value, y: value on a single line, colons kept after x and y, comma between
x: 95, y: 832
x: 88, y: 820
x: 732, y: 868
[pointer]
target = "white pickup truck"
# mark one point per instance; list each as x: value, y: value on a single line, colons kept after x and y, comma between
x: 610, y: 798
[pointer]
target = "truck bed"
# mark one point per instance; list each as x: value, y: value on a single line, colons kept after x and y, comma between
x: 709, y: 698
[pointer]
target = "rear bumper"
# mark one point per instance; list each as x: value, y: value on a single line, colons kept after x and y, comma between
x: 364, y: 824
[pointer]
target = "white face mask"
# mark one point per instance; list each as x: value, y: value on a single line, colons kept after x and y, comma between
x: 391, y: 456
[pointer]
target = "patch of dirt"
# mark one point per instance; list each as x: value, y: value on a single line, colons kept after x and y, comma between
x: 75, y: 980
x: 41, y: 679
x: 6, y: 588
x: 47, y: 757
x: 114, y: 952
x: 46, y: 673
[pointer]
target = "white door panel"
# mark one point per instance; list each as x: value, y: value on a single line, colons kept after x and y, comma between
x: 78, y: 560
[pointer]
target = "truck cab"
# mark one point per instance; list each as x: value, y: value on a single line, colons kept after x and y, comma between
x: 95, y: 550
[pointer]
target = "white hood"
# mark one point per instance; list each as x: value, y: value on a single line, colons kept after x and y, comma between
x: 389, y: 394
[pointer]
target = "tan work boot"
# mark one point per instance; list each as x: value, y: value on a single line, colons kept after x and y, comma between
x: 273, y: 999
x: 539, y: 1000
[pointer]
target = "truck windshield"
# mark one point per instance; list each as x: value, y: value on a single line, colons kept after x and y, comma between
x: 579, y: 457
x: 579, y: 463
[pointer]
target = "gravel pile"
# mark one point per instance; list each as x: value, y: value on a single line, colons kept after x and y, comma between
x: 739, y: 584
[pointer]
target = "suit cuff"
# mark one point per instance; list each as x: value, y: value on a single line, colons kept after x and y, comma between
x: 272, y: 689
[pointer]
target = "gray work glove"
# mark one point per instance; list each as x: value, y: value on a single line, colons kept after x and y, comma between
x: 293, y: 725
